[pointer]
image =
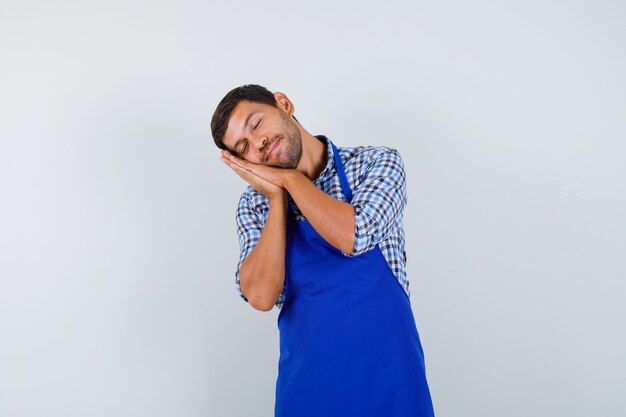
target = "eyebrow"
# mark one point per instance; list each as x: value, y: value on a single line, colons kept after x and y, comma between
x: 244, y: 128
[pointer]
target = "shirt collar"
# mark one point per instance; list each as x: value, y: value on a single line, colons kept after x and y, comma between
x: 330, y: 163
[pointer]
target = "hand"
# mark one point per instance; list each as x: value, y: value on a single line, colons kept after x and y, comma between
x: 277, y: 176
x: 263, y: 186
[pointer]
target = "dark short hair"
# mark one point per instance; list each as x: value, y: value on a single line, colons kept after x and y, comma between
x: 250, y: 92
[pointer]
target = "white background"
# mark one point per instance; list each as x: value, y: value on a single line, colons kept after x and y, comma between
x: 117, y: 231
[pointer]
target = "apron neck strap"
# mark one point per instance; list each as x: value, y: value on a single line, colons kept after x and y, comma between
x: 345, y: 186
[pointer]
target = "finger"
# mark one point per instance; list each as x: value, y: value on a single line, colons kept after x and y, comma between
x: 246, y: 175
x: 232, y: 158
x: 234, y: 165
x: 254, y: 169
x: 225, y: 156
x: 224, y: 160
x: 228, y: 161
x: 239, y: 161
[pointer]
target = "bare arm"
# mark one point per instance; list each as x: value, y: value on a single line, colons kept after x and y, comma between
x: 262, y: 273
x: 331, y: 218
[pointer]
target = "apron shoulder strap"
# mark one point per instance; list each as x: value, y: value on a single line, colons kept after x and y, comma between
x: 345, y: 186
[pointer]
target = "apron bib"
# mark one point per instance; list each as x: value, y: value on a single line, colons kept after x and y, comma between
x: 349, y: 344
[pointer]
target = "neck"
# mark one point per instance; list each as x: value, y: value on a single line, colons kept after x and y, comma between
x: 314, y: 155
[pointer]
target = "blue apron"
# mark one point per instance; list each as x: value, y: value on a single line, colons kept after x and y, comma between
x: 349, y: 345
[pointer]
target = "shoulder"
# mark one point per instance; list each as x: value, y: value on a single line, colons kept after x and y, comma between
x: 369, y: 154
x: 369, y: 159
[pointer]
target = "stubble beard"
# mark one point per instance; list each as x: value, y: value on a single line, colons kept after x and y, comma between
x: 293, y: 148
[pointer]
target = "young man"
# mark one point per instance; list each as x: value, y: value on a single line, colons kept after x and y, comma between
x: 321, y: 236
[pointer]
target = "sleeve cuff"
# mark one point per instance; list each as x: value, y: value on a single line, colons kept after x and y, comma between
x: 362, y: 240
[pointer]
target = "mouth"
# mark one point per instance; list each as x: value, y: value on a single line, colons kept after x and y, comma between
x: 269, y: 154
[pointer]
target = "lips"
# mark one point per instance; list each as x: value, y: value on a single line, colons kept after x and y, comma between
x: 272, y: 149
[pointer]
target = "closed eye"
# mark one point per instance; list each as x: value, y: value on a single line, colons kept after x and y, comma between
x: 243, y: 150
x: 245, y: 146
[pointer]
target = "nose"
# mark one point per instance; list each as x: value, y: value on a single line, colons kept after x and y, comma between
x: 260, y: 142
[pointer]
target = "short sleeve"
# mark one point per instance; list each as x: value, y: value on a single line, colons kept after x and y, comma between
x: 378, y: 200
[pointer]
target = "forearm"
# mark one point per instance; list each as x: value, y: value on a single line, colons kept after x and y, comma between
x: 331, y: 218
x: 262, y: 273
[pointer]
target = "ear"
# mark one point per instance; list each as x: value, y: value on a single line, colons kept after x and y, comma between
x: 284, y: 103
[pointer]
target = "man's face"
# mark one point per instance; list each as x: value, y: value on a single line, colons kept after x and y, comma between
x: 263, y: 134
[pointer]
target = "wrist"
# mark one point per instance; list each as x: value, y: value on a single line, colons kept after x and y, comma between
x: 278, y: 197
x: 291, y: 177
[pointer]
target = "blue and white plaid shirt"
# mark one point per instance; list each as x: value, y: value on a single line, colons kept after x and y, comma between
x: 378, y: 183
